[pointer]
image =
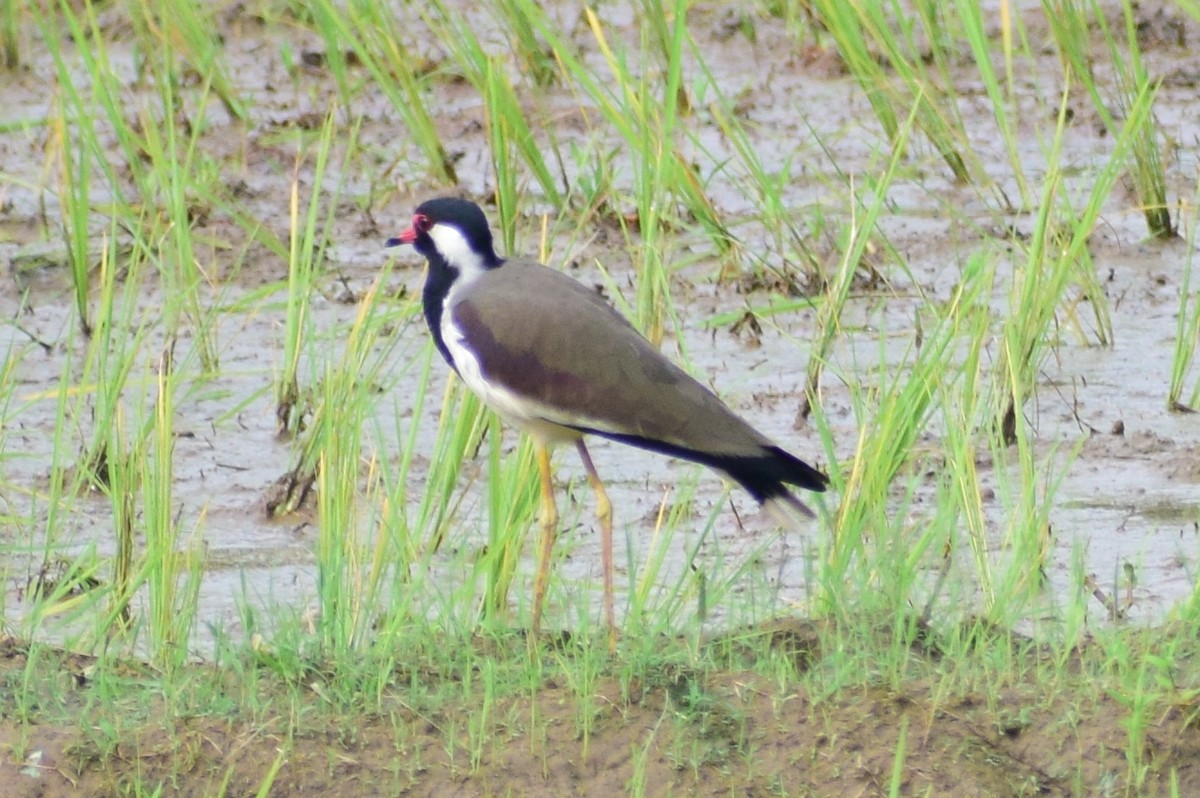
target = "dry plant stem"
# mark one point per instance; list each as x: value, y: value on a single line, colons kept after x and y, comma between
x: 1114, y: 610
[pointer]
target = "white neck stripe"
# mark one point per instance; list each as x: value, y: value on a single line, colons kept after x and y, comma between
x: 457, y: 252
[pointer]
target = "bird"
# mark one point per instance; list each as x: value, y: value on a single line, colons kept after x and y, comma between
x: 552, y: 357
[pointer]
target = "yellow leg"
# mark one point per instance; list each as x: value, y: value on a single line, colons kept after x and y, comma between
x: 604, y: 516
x: 548, y: 520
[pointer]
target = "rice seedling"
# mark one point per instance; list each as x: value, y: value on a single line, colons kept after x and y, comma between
x: 1029, y: 499
x: 306, y: 250
x: 897, y: 780
x: 462, y: 422
x: 480, y: 731
x: 962, y: 413
x: 52, y: 595
x: 1071, y: 23
x: 512, y: 503
x: 509, y: 132
x: 396, y: 69
x: 768, y: 190
x: 655, y: 607
x: 77, y: 146
x: 592, y: 190
x: 11, y: 357
x: 649, y: 137
x: 894, y: 414
x: 174, y: 165
x: 1004, y: 107
x: 172, y: 576
x: 869, y: 40
x: 857, y: 237
x: 188, y: 30
x: 125, y: 469
x: 112, y: 354
x: 535, y: 58
x: 99, y: 99
x: 1056, y: 256
x: 336, y: 57
x: 343, y: 565
x: 645, y: 112
x: 10, y: 38
x: 75, y: 195
x: 264, y: 789
x: 501, y: 97
x: 1187, y: 335
x: 641, y: 755
x: 1133, y: 80
x: 351, y: 568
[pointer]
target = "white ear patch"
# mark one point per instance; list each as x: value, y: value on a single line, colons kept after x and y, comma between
x: 457, y: 252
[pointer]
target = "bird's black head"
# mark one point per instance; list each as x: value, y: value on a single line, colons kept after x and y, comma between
x: 452, y: 230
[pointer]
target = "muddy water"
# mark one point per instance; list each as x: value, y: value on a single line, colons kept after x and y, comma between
x: 1130, y: 490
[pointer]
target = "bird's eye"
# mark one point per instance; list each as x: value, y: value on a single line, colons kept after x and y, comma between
x: 421, y: 224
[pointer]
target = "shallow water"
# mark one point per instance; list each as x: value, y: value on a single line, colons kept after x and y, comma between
x: 1129, y: 498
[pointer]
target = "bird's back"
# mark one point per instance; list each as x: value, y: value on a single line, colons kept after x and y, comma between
x: 548, y: 338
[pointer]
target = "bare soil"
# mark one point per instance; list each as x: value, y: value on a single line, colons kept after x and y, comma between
x: 677, y: 732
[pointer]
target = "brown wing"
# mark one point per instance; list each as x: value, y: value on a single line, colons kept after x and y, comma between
x: 549, y: 339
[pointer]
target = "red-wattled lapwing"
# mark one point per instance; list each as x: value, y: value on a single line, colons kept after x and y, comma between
x: 552, y: 357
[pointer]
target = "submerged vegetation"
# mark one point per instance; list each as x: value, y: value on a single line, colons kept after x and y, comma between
x: 923, y: 213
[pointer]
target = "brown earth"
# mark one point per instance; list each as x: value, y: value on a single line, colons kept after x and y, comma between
x: 674, y: 731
